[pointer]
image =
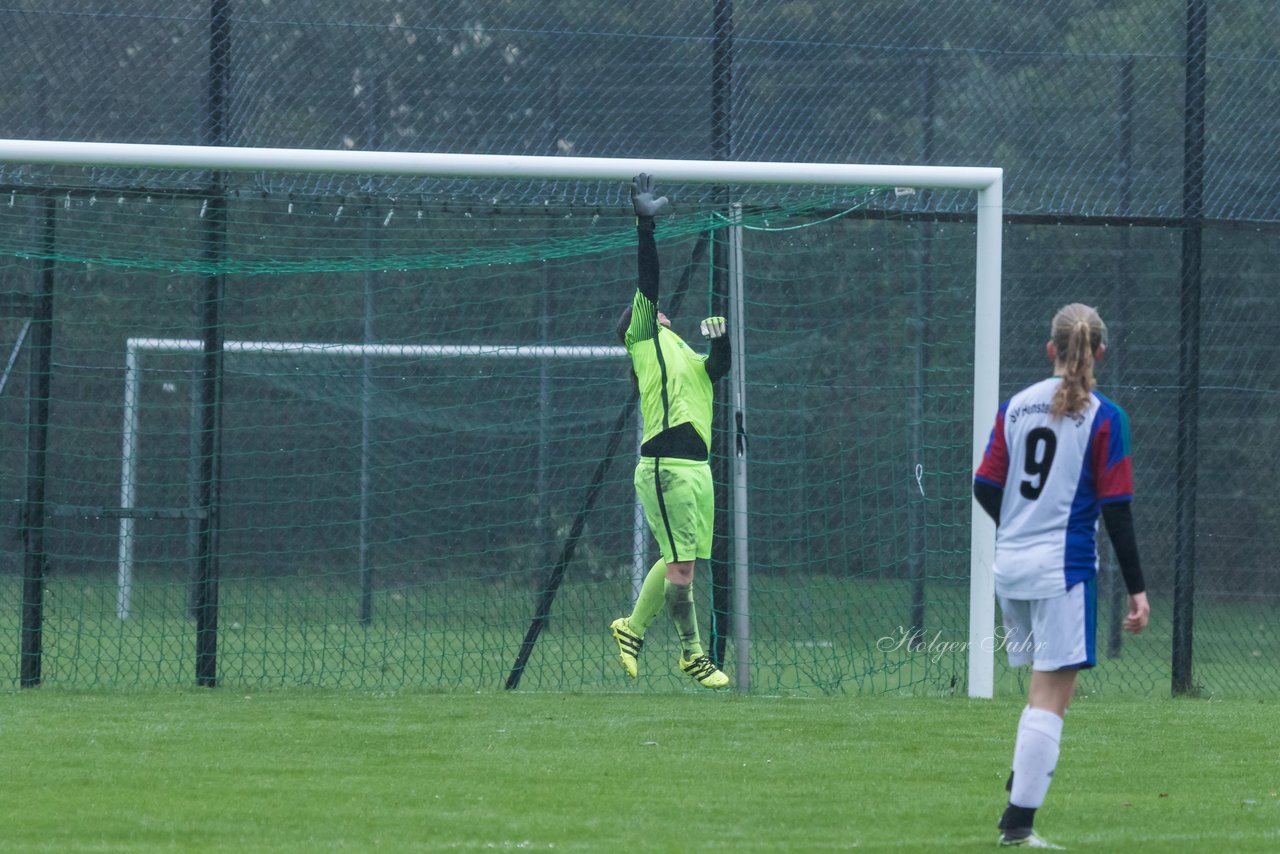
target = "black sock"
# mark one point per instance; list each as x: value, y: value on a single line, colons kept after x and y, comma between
x: 1016, y: 821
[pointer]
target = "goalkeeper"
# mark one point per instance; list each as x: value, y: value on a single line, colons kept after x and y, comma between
x: 672, y: 477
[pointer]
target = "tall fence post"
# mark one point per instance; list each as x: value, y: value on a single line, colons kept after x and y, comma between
x: 721, y: 149
x: 214, y: 236
x: 1184, y: 529
x: 34, y: 511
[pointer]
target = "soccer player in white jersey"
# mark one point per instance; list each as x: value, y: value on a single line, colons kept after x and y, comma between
x: 1057, y: 458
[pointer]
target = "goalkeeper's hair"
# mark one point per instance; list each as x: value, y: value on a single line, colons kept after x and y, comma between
x: 1077, y: 332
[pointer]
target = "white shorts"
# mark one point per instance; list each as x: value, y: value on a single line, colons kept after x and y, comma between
x: 1052, y: 634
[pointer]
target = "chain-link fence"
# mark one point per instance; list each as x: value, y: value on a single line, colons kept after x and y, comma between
x: 1129, y: 132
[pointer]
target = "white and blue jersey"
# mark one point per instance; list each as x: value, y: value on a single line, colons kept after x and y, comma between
x: 1055, y: 473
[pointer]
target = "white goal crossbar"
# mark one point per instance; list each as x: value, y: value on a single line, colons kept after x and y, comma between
x: 987, y: 182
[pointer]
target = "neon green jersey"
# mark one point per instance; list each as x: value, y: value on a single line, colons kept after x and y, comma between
x: 674, y: 386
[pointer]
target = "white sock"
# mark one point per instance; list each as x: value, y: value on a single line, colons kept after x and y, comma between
x: 1035, y: 755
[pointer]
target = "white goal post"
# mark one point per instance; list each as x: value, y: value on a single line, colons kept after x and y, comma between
x: 987, y: 182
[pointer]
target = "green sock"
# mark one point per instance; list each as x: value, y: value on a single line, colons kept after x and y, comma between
x: 680, y: 605
x: 649, y: 602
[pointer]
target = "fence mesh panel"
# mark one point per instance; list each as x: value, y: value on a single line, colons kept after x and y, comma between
x: 416, y: 402
x: 1083, y: 104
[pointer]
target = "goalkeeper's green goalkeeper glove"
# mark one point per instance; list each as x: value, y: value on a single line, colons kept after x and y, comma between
x: 645, y: 203
x: 713, y: 327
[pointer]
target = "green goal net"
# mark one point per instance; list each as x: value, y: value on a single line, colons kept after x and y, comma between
x: 409, y: 464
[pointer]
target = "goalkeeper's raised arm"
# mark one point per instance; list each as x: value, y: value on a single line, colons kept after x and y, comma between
x: 645, y: 318
x: 642, y: 319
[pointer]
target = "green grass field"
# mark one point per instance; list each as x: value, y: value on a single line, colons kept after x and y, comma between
x: 327, y: 770
x: 326, y: 735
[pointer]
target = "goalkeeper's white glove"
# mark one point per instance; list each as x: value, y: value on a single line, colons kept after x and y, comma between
x: 713, y: 327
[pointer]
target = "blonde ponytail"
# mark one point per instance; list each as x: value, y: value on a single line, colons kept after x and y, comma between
x: 1077, y: 333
